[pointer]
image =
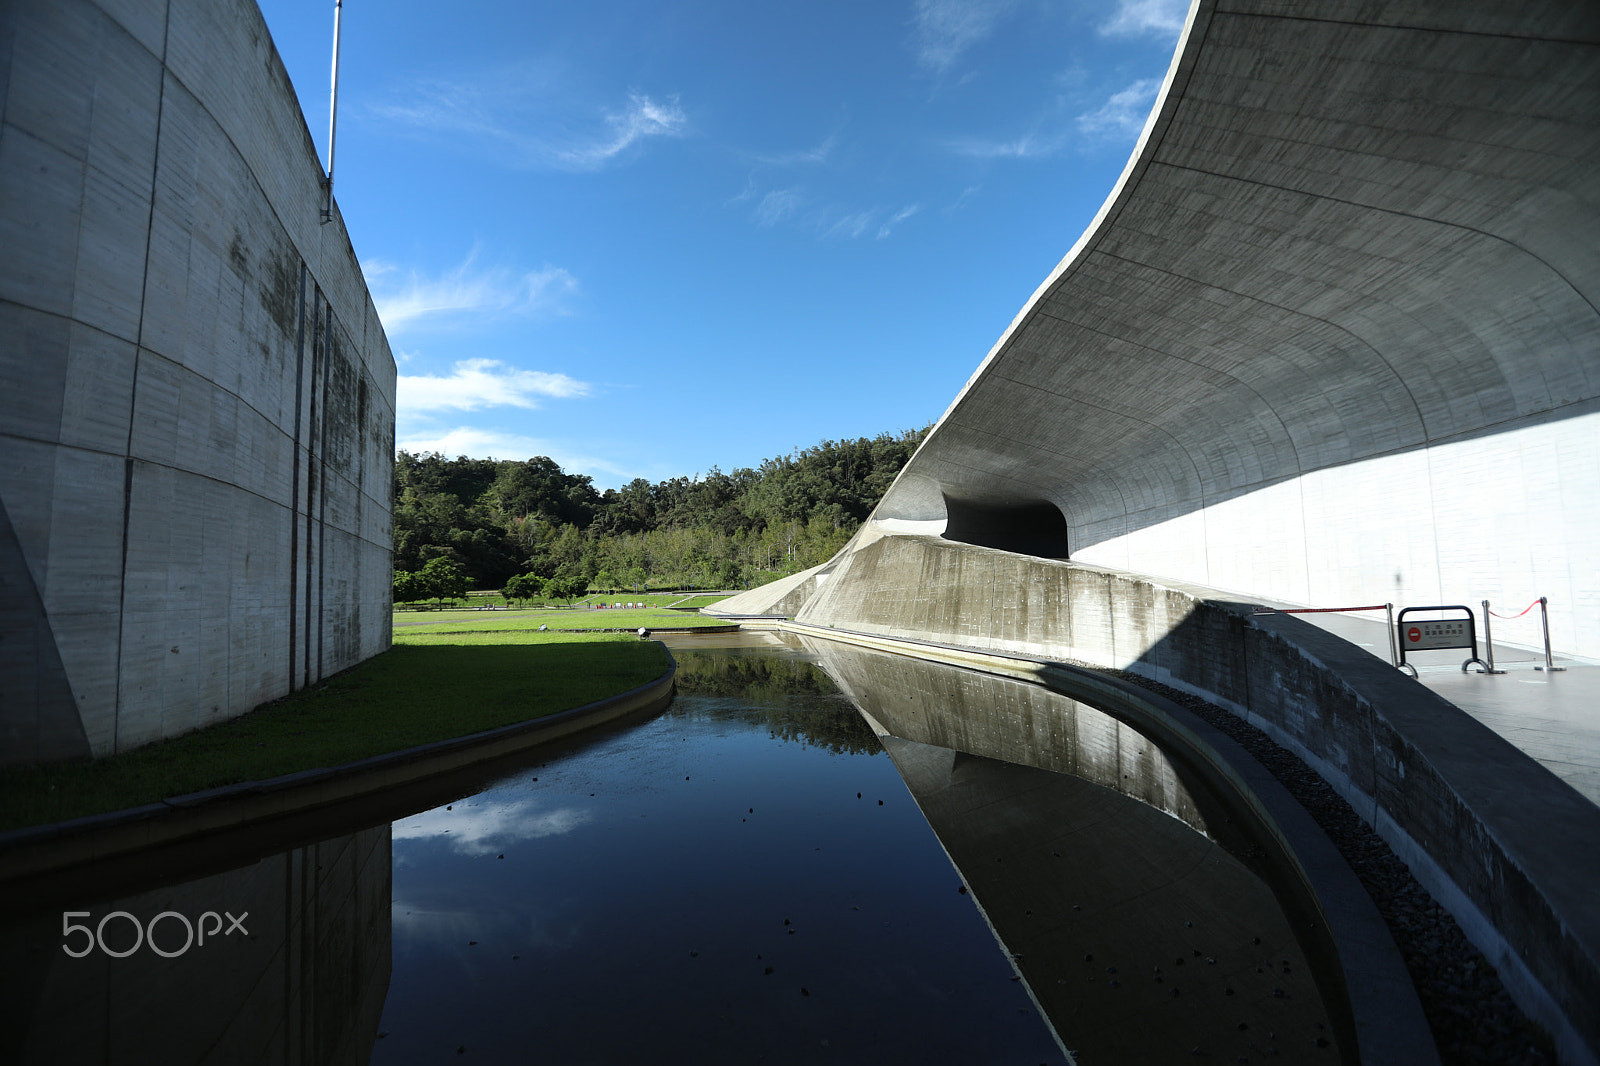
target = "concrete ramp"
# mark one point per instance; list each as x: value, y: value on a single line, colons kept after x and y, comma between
x: 784, y: 596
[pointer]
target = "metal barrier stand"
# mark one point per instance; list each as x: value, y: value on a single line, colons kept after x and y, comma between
x: 1438, y: 634
x: 1488, y: 640
x: 1549, y: 666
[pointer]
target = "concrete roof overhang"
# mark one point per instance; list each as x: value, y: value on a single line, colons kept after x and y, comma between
x: 1349, y: 230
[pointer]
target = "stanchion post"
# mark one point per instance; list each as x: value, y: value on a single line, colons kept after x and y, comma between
x: 1394, y: 648
x: 1488, y: 640
x: 1549, y: 666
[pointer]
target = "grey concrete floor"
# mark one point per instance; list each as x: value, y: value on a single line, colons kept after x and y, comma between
x: 1553, y: 717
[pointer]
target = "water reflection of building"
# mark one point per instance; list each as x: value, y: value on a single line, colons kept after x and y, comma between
x: 307, y: 985
x: 1141, y: 938
x: 991, y: 716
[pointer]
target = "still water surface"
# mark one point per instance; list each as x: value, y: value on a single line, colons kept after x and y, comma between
x: 744, y: 878
x: 815, y: 854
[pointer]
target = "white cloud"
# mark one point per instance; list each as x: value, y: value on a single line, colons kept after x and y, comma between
x: 897, y: 218
x: 478, y: 383
x: 488, y: 442
x: 407, y: 299
x: 511, y: 111
x: 1163, y: 18
x: 643, y: 117
x: 946, y: 28
x: 1125, y: 112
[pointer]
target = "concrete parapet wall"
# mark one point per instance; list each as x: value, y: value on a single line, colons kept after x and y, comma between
x: 196, y: 396
x: 1518, y: 876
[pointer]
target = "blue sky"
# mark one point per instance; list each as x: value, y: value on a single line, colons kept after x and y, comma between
x: 646, y: 239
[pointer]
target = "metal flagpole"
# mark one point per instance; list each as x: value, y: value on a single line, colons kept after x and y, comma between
x: 333, y: 115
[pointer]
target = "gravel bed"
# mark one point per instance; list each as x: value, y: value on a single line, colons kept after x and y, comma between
x: 1473, y: 1018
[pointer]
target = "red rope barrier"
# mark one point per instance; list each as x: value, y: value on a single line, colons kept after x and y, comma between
x: 1328, y: 610
x: 1519, y: 614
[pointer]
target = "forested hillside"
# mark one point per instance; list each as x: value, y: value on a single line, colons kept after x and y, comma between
x: 498, y: 519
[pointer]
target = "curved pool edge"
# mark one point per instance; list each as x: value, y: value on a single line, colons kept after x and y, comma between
x: 38, y: 851
x: 1385, y: 1014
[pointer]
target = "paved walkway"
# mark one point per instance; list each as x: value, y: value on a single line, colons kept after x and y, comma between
x: 1553, y: 717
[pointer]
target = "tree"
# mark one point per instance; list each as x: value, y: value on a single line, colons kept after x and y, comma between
x: 524, y: 587
x: 568, y: 587
x: 442, y: 579
x: 406, y: 587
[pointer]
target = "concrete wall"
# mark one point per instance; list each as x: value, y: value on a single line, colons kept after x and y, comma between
x: 1333, y: 337
x: 196, y: 396
x: 1519, y: 876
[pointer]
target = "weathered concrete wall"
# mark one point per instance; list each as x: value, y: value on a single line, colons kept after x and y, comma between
x: 1519, y: 877
x: 1333, y: 338
x: 196, y: 396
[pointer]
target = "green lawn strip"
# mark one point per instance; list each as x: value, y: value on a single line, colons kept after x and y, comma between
x: 423, y: 690
x: 475, y: 600
x: 611, y: 618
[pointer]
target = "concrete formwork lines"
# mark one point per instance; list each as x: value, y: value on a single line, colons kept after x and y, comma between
x: 152, y: 319
x: 1553, y: 268
x: 1292, y: 313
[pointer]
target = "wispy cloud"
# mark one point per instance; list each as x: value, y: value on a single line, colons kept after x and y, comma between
x: 494, y: 443
x: 1134, y: 18
x: 776, y: 206
x: 943, y: 29
x: 1027, y: 146
x: 897, y: 218
x: 960, y: 201
x: 1123, y: 113
x: 828, y: 221
x: 848, y: 225
x: 806, y: 156
x: 511, y: 113
x: 474, y: 384
x: 406, y: 299
x: 641, y: 118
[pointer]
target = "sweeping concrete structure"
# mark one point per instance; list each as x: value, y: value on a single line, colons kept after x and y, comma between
x: 196, y: 396
x: 1332, y: 340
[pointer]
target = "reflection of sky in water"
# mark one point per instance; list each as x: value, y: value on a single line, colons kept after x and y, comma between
x: 649, y: 879
x: 475, y: 827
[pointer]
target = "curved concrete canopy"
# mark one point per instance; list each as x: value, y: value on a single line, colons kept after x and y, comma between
x: 1333, y: 338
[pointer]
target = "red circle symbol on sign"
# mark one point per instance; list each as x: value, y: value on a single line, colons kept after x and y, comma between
x: 1413, y: 634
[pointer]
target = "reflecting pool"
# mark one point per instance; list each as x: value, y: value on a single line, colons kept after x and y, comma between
x: 743, y: 878
x: 761, y: 873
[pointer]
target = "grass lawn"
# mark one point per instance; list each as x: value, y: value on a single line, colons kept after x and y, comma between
x: 523, y: 621
x: 494, y: 599
x: 427, y: 688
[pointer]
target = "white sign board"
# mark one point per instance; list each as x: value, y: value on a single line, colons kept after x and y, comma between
x: 1426, y: 636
